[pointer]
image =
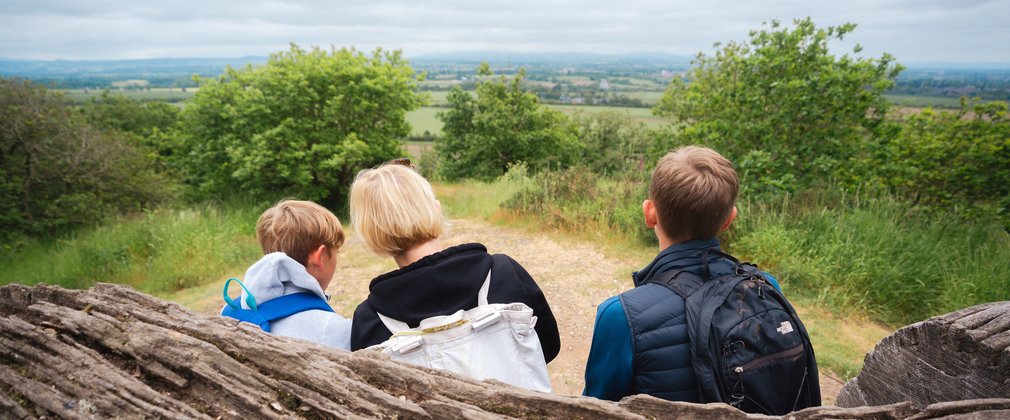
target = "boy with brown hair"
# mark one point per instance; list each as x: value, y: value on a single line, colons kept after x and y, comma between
x: 284, y: 292
x: 642, y: 341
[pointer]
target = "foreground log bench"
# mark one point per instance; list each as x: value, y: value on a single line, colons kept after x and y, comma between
x: 958, y: 356
x: 113, y: 352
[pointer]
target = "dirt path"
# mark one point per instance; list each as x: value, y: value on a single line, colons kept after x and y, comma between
x: 574, y: 275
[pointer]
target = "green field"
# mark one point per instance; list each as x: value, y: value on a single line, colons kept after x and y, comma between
x: 648, y: 96
x: 638, y: 114
x: 143, y: 95
x: 916, y: 101
x: 424, y: 118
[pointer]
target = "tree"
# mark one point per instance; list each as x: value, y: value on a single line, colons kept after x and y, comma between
x: 301, y: 125
x: 783, y: 101
x: 614, y: 143
x: 58, y: 173
x: 501, y: 126
x: 954, y: 159
x: 114, y: 111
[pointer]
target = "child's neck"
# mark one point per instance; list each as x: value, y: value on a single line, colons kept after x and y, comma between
x: 410, y: 256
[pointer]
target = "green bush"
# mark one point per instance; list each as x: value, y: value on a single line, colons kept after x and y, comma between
x: 782, y: 93
x: 950, y: 159
x: 303, y: 124
x: 502, y: 126
x: 57, y: 173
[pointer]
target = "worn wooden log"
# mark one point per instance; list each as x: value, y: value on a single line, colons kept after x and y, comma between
x: 962, y: 355
x: 113, y: 352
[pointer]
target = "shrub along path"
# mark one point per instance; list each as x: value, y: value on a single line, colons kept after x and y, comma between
x: 575, y: 275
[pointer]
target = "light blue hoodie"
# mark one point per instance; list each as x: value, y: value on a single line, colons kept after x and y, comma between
x: 277, y: 275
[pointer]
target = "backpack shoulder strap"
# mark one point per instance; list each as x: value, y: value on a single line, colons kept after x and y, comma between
x: 274, y: 309
x: 484, y: 289
x: 681, y: 282
x: 287, y: 305
x: 393, y: 325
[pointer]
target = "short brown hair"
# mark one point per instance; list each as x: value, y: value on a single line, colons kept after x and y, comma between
x: 296, y: 228
x: 694, y: 190
x: 394, y: 209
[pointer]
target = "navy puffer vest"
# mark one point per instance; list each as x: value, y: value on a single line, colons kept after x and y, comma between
x: 660, y: 344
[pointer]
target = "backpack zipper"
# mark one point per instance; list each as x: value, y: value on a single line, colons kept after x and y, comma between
x: 768, y: 359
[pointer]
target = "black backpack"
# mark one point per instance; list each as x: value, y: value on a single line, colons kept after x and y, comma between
x: 748, y: 347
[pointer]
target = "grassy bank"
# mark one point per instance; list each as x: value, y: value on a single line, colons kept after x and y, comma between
x: 841, y: 337
x: 158, y: 253
x: 865, y: 253
x: 876, y: 255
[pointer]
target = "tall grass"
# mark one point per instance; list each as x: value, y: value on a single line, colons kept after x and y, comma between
x: 862, y: 253
x: 577, y: 199
x: 875, y: 254
x: 159, y: 252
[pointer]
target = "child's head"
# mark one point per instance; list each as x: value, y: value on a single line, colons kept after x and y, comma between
x: 306, y: 232
x: 694, y: 193
x: 393, y: 209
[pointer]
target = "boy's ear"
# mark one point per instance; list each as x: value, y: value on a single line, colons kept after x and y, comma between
x: 316, y: 256
x: 732, y: 216
x: 649, y: 212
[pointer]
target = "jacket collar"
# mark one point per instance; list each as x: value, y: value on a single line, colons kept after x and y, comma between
x: 676, y: 256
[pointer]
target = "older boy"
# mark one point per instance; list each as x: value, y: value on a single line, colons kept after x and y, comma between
x: 300, y: 240
x: 640, y: 341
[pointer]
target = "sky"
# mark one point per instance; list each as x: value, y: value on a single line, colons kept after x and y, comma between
x: 951, y: 31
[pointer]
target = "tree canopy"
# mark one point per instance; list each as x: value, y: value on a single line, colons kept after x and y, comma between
x: 57, y: 172
x: 301, y: 125
x: 501, y: 126
x: 783, y: 102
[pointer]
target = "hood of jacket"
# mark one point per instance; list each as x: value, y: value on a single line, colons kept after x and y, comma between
x: 437, y: 284
x: 276, y: 275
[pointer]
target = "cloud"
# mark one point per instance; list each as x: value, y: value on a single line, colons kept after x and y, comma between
x: 920, y: 30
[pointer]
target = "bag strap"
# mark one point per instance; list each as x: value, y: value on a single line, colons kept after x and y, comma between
x: 704, y: 260
x: 484, y: 289
x: 681, y: 282
x: 396, y: 326
x: 276, y: 308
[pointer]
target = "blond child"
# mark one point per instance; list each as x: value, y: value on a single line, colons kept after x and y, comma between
x: 284, y: 292
x: 394, y: 211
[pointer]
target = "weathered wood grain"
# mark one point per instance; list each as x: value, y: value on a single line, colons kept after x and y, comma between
x: 962, y: 355
x: 113, y: 352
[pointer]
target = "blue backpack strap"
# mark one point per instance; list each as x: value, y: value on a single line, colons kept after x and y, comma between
x: 271, y: 310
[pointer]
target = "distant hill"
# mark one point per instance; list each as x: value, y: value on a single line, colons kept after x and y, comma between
x: 56, y: 69
x: 553, y: 58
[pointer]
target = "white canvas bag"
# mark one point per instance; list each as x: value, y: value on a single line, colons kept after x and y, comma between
x: 490, y: 341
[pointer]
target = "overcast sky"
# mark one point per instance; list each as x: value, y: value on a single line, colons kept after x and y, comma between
x: 912, y: 30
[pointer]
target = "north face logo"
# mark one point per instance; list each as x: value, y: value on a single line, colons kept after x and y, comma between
x: 785, y: 328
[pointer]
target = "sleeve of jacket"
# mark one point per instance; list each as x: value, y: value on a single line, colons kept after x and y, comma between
x: 774, y: 281
x: 547, y: 325
x: 609, y: 368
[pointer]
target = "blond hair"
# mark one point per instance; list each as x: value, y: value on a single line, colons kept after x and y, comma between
x: 393, y: 209
x: 694, y: 190
x: 297, y: 228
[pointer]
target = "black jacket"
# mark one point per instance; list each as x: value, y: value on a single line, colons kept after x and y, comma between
x: 445, y: 282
